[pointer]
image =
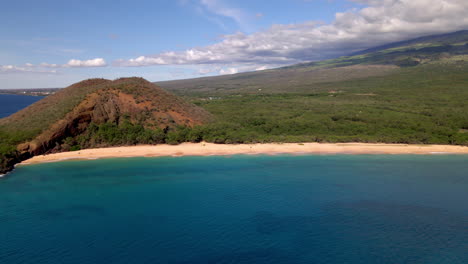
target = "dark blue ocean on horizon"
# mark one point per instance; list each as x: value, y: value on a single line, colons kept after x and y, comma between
x: 238, y: 209
x: 10, y: 103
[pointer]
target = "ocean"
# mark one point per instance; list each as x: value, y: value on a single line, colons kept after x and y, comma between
x: 10, y: 104
x: 238, y: 209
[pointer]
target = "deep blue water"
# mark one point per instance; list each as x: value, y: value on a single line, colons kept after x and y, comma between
x: 10, y: 104
x: 240, y: 209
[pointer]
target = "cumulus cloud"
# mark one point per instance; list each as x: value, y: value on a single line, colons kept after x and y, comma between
x: 98, y: 62
x: 379, y: 22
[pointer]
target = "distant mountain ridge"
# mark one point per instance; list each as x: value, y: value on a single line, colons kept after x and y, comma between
x: 447, y: 38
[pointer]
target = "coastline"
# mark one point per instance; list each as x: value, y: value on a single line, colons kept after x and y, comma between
x: 211, y: 149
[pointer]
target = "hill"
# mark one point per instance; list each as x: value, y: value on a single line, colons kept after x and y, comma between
x: 95, y: 113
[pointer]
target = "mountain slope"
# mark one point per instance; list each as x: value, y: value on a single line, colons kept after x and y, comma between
x: 435, y: 40
x: 314, y: 76
x: 283, y: 80
x: 132, y: 110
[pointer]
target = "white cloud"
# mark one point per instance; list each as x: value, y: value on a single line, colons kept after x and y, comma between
x: 219, y: 12
x: 97, y: 62
x: 48, y: 65
x: 261, y: 68
x: 228, y: 71
x: 25, y: 69
x: 74, y: 63
x: 142, y: 61
x: 218, y: 7
x: 45, y: 67
x: 357, y: 29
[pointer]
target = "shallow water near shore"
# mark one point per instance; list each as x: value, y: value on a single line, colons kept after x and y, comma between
x: 238, y: 209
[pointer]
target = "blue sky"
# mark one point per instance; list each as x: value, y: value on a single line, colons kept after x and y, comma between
x: 55, y: 43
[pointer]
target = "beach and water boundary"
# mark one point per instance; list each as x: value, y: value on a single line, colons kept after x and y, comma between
x: 211, y: 149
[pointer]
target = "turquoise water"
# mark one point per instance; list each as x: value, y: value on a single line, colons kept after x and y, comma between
x: 10, y: 103
x: 240, y: 209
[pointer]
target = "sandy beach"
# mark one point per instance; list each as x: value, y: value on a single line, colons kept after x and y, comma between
x: 206, y: 149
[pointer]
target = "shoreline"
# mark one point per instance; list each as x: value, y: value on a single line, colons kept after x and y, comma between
x: 211, y: 149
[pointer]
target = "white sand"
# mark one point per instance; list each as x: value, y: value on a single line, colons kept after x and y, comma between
x: 206, y: 149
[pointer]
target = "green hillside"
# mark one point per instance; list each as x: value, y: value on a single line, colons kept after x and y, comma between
x: 306, y: 77
x: 426, y: 104
x: 409, y: 92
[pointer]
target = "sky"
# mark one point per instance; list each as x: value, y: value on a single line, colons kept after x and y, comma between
x: 55, y: 43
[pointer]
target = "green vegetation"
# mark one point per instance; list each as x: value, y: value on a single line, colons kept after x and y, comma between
x: 420, y: 105
x: 111, y: 134
x: 407, y: 56
x: 99, y: 135
x: 8, y: 153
